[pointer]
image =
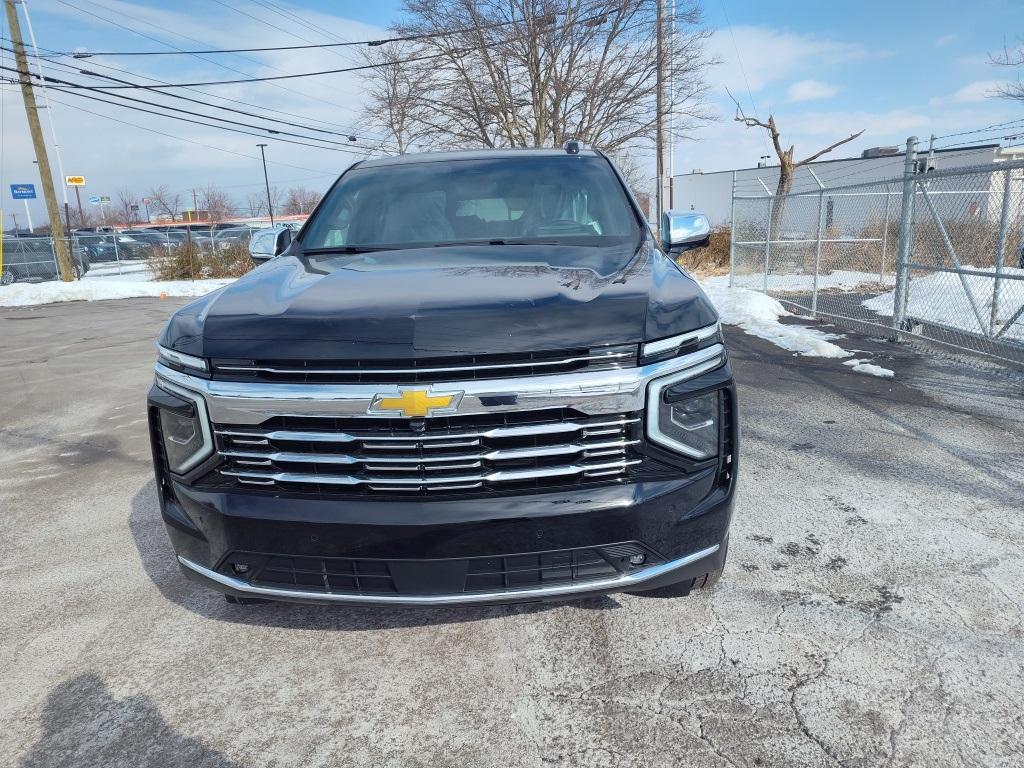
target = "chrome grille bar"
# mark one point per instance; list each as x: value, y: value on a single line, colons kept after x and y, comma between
x: 609, y: 357
x: 505, y: 475
x: 503, y: 454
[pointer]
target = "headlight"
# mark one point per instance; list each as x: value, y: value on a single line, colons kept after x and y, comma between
x: 663, y: 349
x: 185, y: 428
x: 689, y: 426
x: 180, y: 360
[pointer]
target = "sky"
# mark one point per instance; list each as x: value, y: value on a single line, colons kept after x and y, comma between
x: 825, y: 70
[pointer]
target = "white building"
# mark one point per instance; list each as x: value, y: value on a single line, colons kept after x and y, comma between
x: 712, y: 192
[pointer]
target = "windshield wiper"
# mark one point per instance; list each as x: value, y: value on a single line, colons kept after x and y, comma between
x: 495, y: 242
x: 351, y: 249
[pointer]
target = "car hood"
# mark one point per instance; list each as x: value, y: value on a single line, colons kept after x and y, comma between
x: 436, y: 302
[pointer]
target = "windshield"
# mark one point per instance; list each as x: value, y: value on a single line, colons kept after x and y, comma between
x: 552, y: 200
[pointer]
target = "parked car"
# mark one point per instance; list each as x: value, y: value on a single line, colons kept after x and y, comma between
x: 31, y: 260
x: 102, y: 246
x: 473, y: 377
x: 225, y: 238
x: 160, y: 241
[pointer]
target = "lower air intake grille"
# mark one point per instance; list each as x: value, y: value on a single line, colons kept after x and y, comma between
x: 510, y: 451
x: 499, y: 573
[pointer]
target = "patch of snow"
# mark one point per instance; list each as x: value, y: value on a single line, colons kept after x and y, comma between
x: 758, y: 314
x: 940, y: 298
x: 839, y: 279
x: 127, y: 271
x: 863, y: 366
x: 26, y: 294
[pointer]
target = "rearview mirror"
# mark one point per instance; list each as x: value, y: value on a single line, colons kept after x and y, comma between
x: 683, y: 230
x: 268, y: 243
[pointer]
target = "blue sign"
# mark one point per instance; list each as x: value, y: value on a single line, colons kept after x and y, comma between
x: 23, y: 191
x: 94, y: 200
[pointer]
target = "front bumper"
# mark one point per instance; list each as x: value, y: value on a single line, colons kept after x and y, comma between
x: 681, y: 524
x: 496, y: 547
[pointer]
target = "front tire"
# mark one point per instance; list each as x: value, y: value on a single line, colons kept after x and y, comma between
x: 7, y: 277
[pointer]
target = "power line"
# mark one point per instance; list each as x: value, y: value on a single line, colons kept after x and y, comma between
x: 294, y: 75
x: 76, y: 69
x: 290, y: 91
x: 982, y: 130
x: 548, y: 18
x: 175, y: 137
x: 351, y: 139
x: 71, y: 91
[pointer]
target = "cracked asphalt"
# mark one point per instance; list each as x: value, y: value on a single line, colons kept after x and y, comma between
x: 870, y: 613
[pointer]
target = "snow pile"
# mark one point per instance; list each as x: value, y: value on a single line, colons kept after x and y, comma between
x: 839, y: 279
x: 758, y: 314
x: 863, y: 366
x: 940, y: 298
x: 25, y: 294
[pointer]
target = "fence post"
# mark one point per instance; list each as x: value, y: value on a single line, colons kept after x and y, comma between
x: 53, y: 252
x: 1004, y: 220
x: 885, y: 236
x: 117, y: 252
x: 817, y: 251
x: 732, y: 234
x: 899, y: 310
x: 768, y: 240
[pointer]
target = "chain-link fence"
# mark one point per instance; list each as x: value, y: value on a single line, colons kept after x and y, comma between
x: 129, y: 253
x: 934, y: 256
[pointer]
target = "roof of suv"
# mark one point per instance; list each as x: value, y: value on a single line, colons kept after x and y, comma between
x: 469, y: 154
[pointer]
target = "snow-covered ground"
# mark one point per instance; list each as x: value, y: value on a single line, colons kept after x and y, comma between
x: 940, y: 298
x: 129, y: 270
x: 845, y: 280
x: 116, y: 287
x: 758, y: 314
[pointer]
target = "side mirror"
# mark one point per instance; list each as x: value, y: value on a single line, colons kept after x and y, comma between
x: 265, y: 244
x: 684, y: 230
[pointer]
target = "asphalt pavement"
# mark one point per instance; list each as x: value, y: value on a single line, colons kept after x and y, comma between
x: 870, y: 613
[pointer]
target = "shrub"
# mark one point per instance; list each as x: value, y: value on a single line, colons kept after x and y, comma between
x: 712, y: 260
x: 190, y: 262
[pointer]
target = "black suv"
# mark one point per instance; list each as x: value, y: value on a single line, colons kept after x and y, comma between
x: 472, y: 377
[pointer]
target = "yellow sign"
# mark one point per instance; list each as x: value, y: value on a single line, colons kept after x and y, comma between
x: 74, y: 181
x: 415, y: 403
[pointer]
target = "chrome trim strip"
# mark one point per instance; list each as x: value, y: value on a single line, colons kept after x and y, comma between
x: 498, y: 476
x: 613, y: 584
x: 404, y: 371
x: 499, y: 454
x: 527, y: 430
x: 612, y: 391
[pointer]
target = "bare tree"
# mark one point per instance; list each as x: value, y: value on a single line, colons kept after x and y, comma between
x: 165, y: 202
x: 536, y: 73
x: 1013, y: 59
x: 787, y: 165
x: 256, y: 204
x: 394, y: 93
x: 299, y: 200
x: 128, y: 205
x: 217, y: 203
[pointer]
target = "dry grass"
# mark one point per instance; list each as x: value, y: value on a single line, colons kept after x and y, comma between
x: 709, y: 261
x: 191, y: 263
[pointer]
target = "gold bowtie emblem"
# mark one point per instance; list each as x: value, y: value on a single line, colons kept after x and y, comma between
x: 414, y: 403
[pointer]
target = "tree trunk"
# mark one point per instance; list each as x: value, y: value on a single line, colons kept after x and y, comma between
x: 782, y: 189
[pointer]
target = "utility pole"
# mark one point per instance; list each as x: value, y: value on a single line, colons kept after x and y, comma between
x: 49, y: 116
x: 81, y: 215
x: 661, y: 197
x: 266, y: 180
x: 60, y: 244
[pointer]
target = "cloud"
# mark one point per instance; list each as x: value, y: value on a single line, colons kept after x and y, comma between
x: 971, y: 93
x: 758, y: 56
x: 808, y: 90
x: 944, y: 40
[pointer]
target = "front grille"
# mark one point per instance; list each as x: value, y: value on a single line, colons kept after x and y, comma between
x: 445, y: 369
x: 498, y: 573
x: 521, y: 450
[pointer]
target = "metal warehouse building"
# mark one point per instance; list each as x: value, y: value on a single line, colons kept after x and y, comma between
x: 713, y: 192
